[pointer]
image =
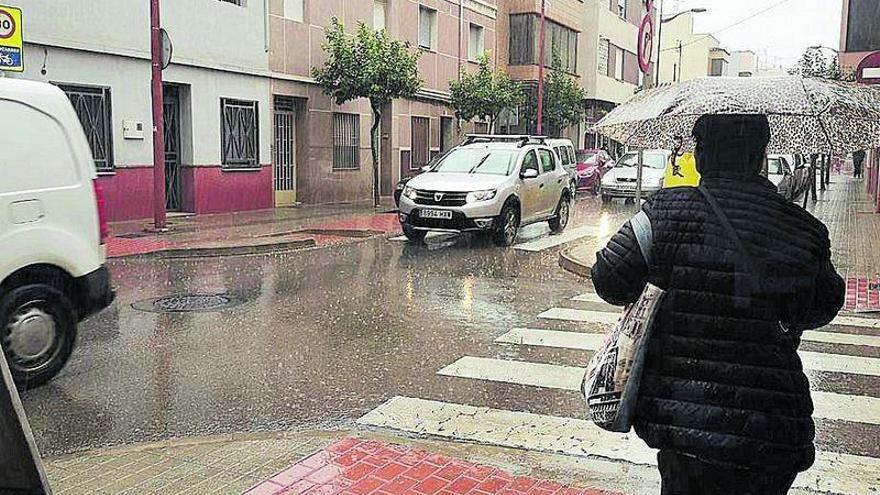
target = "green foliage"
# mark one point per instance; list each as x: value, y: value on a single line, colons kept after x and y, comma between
x: 814, y: 64
x: 563, y: 101
x: 484, y: 94
x: 370, y: 65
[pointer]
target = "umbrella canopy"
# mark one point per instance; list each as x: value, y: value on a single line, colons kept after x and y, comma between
x: 806, y: 115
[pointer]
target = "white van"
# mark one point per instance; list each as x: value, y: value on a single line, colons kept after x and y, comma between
x: 52, y: 231
x: 565, y: 151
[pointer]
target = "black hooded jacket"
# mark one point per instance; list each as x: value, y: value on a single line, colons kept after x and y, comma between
x: 723, y: 380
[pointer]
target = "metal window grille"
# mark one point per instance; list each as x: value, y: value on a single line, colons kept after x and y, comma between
x: 421, y: 132
x: 346, y: 141
x: 240, y: 133
x: 284, y: 151
x: 240, y: 3
x: 92, y: 106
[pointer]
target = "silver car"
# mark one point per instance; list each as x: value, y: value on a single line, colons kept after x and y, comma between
x: 620, y: 181
x: 490, y: 184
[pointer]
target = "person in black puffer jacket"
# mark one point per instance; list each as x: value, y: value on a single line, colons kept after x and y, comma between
x: 723, y: 395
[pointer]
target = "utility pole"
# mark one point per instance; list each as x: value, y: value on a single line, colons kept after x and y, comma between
x: 158, y: 118
x: 540, y: 129
x: 659, y: 44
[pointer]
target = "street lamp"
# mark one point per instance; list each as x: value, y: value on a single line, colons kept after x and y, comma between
x: 696, y: 10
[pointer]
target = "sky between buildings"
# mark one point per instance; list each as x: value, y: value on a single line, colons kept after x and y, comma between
x: 778, y: 35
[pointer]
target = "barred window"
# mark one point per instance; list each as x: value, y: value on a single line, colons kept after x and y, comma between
x: 240, y: 134
x: 346, y: 141
x: 240, y: 3
x: 92, y: 106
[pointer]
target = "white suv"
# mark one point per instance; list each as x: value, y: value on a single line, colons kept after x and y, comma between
x: 52, y: 230
x: 491, y: 184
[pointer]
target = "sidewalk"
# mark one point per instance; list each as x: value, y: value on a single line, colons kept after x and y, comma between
x: 320, y: 462
x: 253, y: 232
x: 852, y: 225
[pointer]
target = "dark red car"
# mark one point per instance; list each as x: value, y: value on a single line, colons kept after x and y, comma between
x: 591, y: 166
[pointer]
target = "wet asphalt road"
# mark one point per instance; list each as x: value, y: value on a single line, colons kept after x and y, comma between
x: 322, y: 337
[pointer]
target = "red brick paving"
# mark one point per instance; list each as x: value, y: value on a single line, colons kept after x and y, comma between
x: 862, y: 294
x: 368, y: 467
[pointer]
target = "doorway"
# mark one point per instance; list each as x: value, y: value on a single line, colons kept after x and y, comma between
x: 447, y: 133
x: 284, y: 152
x: 171, y: 111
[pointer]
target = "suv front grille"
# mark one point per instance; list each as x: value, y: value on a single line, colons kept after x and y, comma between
x: 447, y: 199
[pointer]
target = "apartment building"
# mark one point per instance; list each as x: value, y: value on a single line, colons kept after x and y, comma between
x: 217, y: 111
x: 686, y: 55
x: 321, y: 149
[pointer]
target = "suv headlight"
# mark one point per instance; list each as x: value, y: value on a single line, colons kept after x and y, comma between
x: 473, y: 197
x: 409, y: 192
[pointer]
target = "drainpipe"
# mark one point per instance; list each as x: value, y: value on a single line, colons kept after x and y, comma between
x: 266, y: 25
x: 540, y: 130
x: 460, y: 33
x: 158, y: 118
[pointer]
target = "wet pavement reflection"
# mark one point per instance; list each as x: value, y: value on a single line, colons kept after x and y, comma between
x: 322, y: 336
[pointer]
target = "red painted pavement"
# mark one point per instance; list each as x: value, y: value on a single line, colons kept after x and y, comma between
x: 862, y: 294
x: 368, y: 467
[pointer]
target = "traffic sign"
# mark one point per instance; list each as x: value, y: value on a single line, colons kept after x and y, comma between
x: 11, y: 55
x: 646, y: 43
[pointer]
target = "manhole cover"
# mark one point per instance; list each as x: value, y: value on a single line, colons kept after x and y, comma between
x: 187, y: 303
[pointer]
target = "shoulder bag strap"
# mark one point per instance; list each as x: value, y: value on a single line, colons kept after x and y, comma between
x: 744, y: 256
x: 641, y: 226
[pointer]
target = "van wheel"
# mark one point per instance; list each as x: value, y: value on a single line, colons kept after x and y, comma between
x: 414, y: 235
x: 563, y: 212
x: 507, y: 226
x: 37, y: 334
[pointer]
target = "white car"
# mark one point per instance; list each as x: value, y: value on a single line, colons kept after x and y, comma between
x: 565, y: 151
x: 490, y: 184
x: 52, y: 231
x: 620, y: 181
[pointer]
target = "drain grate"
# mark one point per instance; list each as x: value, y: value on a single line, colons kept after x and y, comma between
x: 187, y: 303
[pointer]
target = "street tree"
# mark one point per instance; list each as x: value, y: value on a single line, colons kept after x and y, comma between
x: 484, y: 94
x: 368, y: 65
x: 563, y: 101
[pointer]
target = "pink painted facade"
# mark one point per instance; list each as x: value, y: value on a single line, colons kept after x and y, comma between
x: 214, y: 190
x: 128, y: 193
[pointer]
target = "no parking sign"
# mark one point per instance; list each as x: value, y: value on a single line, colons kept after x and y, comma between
x: 11, y: 55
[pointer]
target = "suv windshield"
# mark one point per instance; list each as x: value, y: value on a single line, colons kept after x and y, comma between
x: 651, y: 160
x: 477, y: 161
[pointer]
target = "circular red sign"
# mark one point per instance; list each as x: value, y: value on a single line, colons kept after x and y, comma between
x: 646, y: 43
x: 7, y: 25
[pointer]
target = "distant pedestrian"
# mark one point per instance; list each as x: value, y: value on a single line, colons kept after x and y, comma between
x: 723, y: 396
x: 858, y: 163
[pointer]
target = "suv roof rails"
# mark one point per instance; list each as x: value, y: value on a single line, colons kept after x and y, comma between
x: 521, y: 139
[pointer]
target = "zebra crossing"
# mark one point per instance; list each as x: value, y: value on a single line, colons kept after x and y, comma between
x: 852, y: 341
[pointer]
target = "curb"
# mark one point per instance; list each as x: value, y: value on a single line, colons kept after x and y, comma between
x: 571, y: 264
x: 212, y: 252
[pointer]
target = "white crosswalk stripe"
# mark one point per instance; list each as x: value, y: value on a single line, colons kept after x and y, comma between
x: 611, y: 317
x: 828, y: 405
x: 832, y: 472
x: 550, y: 241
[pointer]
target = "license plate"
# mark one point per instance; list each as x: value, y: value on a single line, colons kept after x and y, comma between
x: 435, y: 214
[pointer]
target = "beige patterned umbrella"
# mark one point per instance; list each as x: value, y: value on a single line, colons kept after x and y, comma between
x: 806, y: 115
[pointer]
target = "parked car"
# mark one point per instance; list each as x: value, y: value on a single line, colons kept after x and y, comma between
x: 565, y: 151
x: 799, y: 180
x: 52, y: 231
x: 620, y: 181
x: 489, y: 184
x: 591, y: 166
x: 780, y: 175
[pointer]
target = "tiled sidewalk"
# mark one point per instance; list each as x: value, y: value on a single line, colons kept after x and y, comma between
x: 354, y: 466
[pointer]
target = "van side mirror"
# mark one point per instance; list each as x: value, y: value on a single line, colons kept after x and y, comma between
x: 529, y: 173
